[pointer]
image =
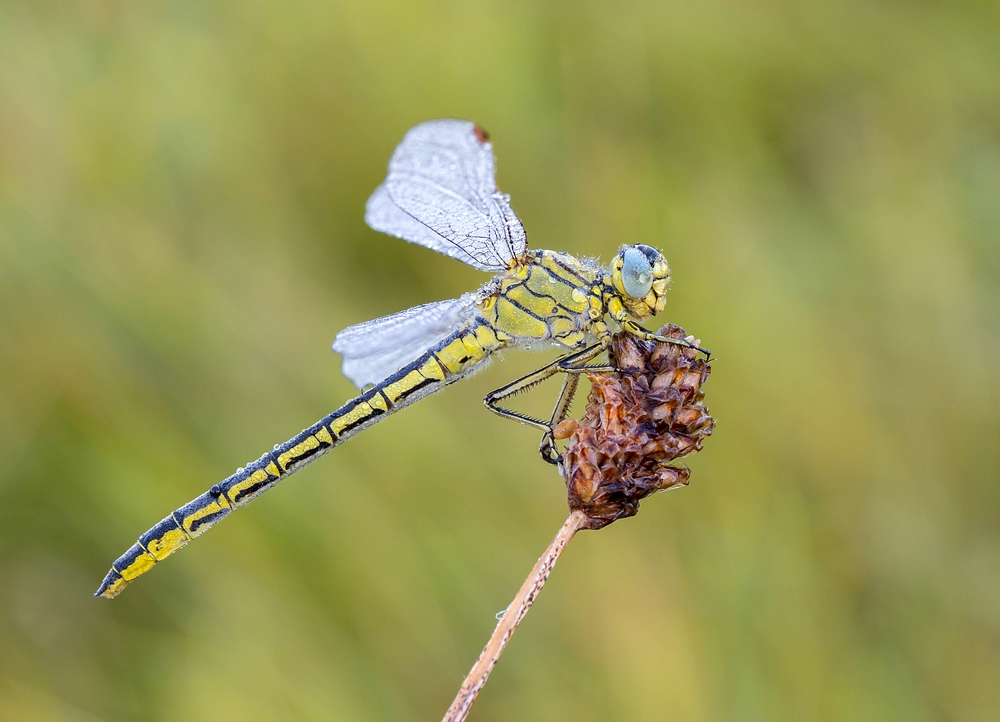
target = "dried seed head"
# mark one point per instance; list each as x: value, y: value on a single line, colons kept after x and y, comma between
x: 636, y: 423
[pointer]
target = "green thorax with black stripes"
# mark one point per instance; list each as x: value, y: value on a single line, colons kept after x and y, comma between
x: 547, y: 296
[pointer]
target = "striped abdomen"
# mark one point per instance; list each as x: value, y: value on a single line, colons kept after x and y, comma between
x: 448, y: 361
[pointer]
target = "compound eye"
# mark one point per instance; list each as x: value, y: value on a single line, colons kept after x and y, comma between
x: 637, y: 273
x: 652, y: 255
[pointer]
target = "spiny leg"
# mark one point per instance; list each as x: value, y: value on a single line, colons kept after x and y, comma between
x: 636, y: 330
x: 571, y: 364
x: 547, y: 446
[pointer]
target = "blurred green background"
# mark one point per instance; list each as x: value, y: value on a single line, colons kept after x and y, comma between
x: 182, y: 189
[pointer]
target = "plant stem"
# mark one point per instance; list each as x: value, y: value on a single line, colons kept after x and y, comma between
x: 480, y: 672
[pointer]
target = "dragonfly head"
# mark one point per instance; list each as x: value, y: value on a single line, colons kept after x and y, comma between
x: 641, y: 276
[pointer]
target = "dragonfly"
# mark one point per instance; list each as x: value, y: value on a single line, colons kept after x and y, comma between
x: 440, y: 192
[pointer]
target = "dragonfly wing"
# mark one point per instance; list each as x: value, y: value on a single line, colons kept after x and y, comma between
x: 375, y: 349
x: 441, y: 193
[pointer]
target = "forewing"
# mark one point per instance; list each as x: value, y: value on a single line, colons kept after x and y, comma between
x: 441, y: 193
x: 375, y: 349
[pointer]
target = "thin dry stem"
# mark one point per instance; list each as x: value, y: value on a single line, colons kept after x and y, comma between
x: 476, y: 679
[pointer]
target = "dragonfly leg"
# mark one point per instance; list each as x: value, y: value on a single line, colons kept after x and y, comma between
x: 571, y: 364
x: 595, y: 368
x: 547, y: 446
x: 636, y: 330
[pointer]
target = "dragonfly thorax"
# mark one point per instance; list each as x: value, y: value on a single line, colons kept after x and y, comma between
x: 547, y: 296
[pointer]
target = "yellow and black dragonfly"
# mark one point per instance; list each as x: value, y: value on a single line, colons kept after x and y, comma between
x: 441, y: 192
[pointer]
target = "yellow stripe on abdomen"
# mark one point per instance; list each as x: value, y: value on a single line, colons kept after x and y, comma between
x: 447, y: 362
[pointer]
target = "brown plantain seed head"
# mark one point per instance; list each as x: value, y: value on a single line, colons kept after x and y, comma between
x: 636, y: 424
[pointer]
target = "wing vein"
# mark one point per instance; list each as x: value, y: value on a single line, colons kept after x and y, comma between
x: 441, y: 193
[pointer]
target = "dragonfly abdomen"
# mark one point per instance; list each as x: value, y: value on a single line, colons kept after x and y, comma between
x: 451, y: 359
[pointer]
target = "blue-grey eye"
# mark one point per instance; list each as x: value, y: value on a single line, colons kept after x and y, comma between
x: 637, y: 273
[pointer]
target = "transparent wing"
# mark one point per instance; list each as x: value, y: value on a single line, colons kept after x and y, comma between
x: 441, y: 193
x: 375, y: 349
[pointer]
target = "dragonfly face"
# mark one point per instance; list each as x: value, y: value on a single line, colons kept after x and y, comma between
x: 641, y: 276
x: 440, y: 192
